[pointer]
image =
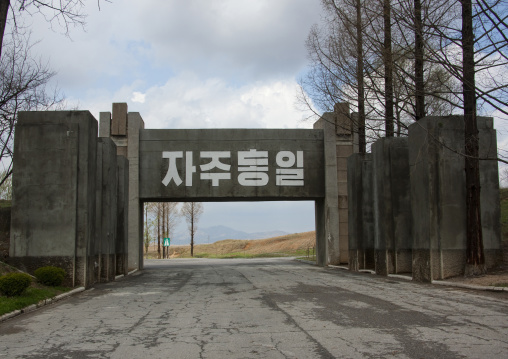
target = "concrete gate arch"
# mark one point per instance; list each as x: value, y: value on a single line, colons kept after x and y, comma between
x: 163, y: 165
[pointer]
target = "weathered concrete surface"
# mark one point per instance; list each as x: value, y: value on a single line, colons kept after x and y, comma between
x: 124, y: 129
x: 119, y: 119
x: 341, y: 140
x: 392, y: 205
x: 53, y: 213
x: 254, y: 177
x: 107, y: 208
x: 361, y: 214
x: 263, y: 308
x: 5, y: 232
x: 439, y: 197
x: 122, y: 229
x: 327, y: 209
x: 135, y: 224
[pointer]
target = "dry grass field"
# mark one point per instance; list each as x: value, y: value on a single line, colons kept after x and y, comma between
x: 288, y: 245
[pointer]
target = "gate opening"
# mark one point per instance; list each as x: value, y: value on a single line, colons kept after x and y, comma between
x: 229, y: 229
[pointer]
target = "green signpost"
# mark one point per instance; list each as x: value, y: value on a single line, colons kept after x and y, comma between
x: 167, y: 241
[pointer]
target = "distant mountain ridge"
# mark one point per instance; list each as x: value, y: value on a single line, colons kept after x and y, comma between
x: 218, y: 233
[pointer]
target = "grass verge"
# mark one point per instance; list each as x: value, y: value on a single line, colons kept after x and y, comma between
x: 297, y: 253
x: 32, y: 295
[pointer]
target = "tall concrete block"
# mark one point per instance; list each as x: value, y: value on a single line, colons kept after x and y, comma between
x: 105, y: 124
x: 392, y: 205
x: 106, y: 213
x: 135, y: 234
x: 5, y: 232
x: 341, y: 141
x: 53, y: 212
x: 347, y: 144
x: 327, y: 209
x: 119, y: 122
x: 361, y: 215
x: 439, y: 196
x: 122, y: 216
x: 124, y: 128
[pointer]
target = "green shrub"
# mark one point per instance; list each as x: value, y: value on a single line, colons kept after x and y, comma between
x: 14, y: 284
x: 51, y: 276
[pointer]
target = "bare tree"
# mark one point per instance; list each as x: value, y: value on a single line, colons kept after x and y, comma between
x: 351, y: 59
x: 473, y: 49
x: 191, y: 211
x: 23, y: 78
x: 66, y: 13
x: 444, y: 57
x: 160, y: 222
x: 23, y: 87
x: 6, y: 188
x: 172, y: 217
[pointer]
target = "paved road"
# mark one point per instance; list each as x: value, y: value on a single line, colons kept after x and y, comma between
x: 261, y: 308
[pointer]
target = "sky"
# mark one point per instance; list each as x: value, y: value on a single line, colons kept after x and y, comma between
x: 191, y: 64
x: 195, y: 64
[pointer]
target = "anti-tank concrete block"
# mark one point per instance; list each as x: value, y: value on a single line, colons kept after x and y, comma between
x: 439, y: 196
x: 392, y: 204
x: 360, y: 214
x: 53, y: 214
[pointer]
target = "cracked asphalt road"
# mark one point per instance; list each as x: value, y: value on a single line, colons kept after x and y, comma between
x: 261, y: 308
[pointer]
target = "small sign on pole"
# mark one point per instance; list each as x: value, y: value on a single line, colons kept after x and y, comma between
x: 167, y: 241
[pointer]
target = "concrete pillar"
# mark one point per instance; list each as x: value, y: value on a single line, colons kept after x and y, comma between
x: 54, y: 202
x: 135, y: 123
x: 439, y: 196
x: 341, y: 139
x: 392, y: 205
x: 106, y: 214
x: 327, y: 209
x: 124, y: 131
x: 361, y: 216
x: 122, y: 216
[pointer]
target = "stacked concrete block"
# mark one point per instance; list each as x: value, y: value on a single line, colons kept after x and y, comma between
x: 122, y: 216
x: 123, y: 128
x: 328, y: 248
x: 135, y: 245
x: 54, y: 179
x: 439, y: 196
x: 106, y: 212
x: 361, y: 215
x: 5, y: 232
x: 342, y: 139
x: 347, y: 144
x: 392, y: 206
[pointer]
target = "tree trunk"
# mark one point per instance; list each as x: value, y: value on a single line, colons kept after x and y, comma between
x: 158, y: 230
x: 4, y: 10
x: 475, y: 259
x: 419, y: 84
x: 146, y: 230
x: 192, y: 232
x: 359, y: 75
x: 163, y: 230
x: 167, y: 229
x: 387, y: 58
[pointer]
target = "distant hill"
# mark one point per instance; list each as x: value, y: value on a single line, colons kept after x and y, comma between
x: 288, y: 244
x: 219, y: 233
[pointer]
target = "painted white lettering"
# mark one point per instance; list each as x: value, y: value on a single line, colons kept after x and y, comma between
x: 253, y: 164
x: 189, y: 168
x: 172, y: 173
x: 287, y: 176
x: 215, y: 162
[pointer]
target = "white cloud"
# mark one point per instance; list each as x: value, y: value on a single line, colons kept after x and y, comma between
x: 190, y: 64
x: 142, y: 40
x: 186, y: 101
x: 138, y: 97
